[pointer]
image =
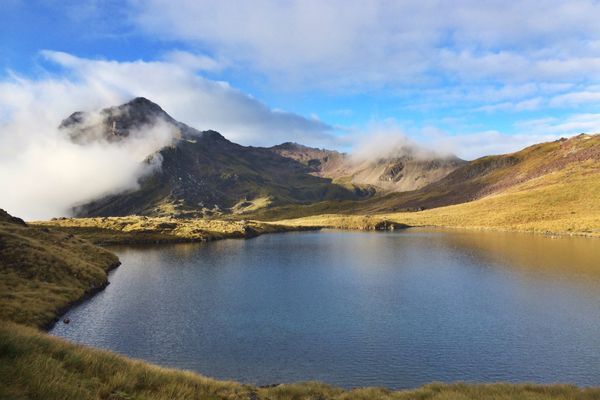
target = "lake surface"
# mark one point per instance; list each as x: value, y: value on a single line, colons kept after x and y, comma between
x: 393, y: 309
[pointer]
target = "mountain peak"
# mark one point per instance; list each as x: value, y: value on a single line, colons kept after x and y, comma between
x: 213, y: 135
x: 143, y: 105
x: 114, y: 123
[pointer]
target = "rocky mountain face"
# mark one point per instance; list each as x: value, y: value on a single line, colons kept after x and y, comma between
x: 202, y: 173
x: 405, y: 171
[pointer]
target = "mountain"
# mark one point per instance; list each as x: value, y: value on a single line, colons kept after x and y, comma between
x: 491, y: 175
x: 405, y: 170
x: 529, y: 171
x: 202, y: 173
x: 115, y: 124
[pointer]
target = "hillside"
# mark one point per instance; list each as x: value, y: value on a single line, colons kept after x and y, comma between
x: 537, y: 165
x: 202, y: 173
x: 42, y: 271
x: 564, y: 201
x: 496, y: 174
x: 404, y: 169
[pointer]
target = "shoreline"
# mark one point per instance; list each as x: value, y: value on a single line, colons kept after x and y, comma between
x: 383, y: 225
x: 373, y: 222
x: 53, y: 356
x: 86, y: 296
x: 67, y: 370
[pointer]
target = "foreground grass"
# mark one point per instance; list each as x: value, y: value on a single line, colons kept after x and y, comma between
x: 36, y: 366
x: 562, y: 202
x: 43, y: 271
x: 139, y: 229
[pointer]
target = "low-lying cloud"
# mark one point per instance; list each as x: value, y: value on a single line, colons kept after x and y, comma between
x: 44, y: 174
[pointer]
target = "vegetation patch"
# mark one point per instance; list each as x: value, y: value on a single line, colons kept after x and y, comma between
x: 43, y: 271
x: 141, y: 230
x: 34, y: 365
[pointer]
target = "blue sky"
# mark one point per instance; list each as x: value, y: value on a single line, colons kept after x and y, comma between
x: 462, y: 77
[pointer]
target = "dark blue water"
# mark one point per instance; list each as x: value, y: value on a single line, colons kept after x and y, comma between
x: 357, y: 309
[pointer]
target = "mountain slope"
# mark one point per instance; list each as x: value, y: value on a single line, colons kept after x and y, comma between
x: 477, y: 179
x: 205, y: 174
x: 565, y: 201
x: 495, y: 174
x: 402, y: 170
x: 202, y: 172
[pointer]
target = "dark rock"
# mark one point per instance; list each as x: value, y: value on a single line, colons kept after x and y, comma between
x: 4, y: 216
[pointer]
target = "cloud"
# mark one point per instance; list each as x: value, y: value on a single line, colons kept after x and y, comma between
x: 354, y: 44
x: 197, y: 101
x: 524, y: 105
x: 43, y: 174
x: 575, y: 98
x: 192, y: 61
x: 391, y: 137
x: 387, y: 139
x: 528, y: 132
x: 576, y: 123
x: 477, y: 144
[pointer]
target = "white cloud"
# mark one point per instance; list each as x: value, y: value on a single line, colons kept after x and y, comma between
x: 524, y: 105
x: 573, y: 124
x: 575, y: 98
x: 384, y: 138
x: 196, y: 62
x: 199, y: 102
x: 360, y: 44
x: 43, y: 174
x: 477, y: 144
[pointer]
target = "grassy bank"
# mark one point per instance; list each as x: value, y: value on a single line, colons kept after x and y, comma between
x: 36, y: 366
x: 562, y: 202
x: 43, y: 271
x: 139, y: 230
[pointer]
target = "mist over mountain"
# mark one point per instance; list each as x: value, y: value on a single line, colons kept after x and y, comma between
x: 175, y: 169
x: 203, y: 173
x: 397, y: 169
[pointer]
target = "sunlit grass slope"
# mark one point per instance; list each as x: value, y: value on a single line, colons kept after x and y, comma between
x: 565, y: 201
x: 140, y: 229
x: 535, y: 165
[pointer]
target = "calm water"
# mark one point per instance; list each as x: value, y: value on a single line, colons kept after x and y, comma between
x: 357, y: 309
